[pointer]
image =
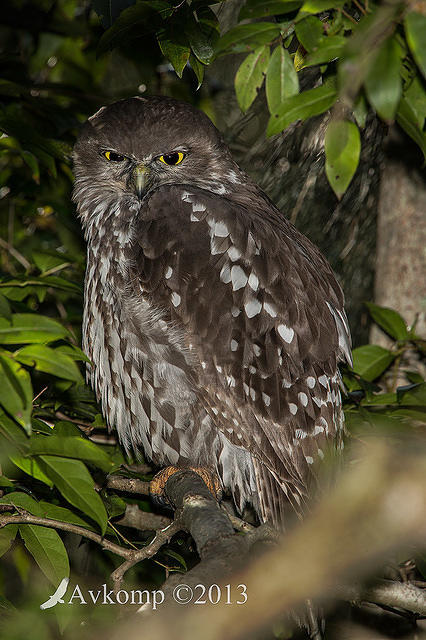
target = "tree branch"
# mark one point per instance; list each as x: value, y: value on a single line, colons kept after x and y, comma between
x: 27, y: 518
x: 129, y: 485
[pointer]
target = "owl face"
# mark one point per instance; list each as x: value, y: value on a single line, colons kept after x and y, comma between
x: 139, y: 144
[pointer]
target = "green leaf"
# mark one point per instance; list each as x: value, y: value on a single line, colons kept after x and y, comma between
x: 415, y: 30
x: 109, y: 10
x: 281, y: 78
x: 370, y: 361
x: 360, y: 111
x: 32, y: 468
x: 260, y: 8
x: 329, y: 48
x: 137, y: 21
x: 342, y: 150
x: 12, y: 433
x: 177, y: 54
x: 318, y: 6
x: 309, y: 32
x: 380, y: 399
x: 5, y: 311
x: 249, y: 77
x: 198, y: 69
x: 48, y: 551
x: 72, y: 447
x: 383, y: 83
x: 114, y: 505
x: 48, y: 261
x: 55, y: 512
x: 389, y: 320
x: 302, y: 106
x: 245, y: 37
x: 75, y: 483
x: 413, y: 394
x: 415, y: 95
x: 199, y: 42
x: 50, y: 361
x: 43, y: 543
x: 7, y: 536
x: 407, y: 119
x: 30, y: 327
x: 73, y: 352
x: 16, y: 391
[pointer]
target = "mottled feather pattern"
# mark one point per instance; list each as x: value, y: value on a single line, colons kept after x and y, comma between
x: 214, y: 327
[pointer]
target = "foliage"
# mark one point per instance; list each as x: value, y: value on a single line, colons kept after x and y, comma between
x: 59, y: 64
x: 359, y: 56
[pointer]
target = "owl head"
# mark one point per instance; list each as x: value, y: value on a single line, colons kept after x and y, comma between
x: 135, y: 145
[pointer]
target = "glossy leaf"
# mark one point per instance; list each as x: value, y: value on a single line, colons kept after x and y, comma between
x: 360, y: 111
x: 281, y: 79
x: 370, y: 361
x: 383, y: 84
x: 302, y: 106
x: 47, y: 549
x: 329, y: 49
x: 245, y: 37
x: 415, y: 30
x: 260, y: 8
x: 138, y: 20
x: 109, y: 10
x: 249, y: 77
x: 44, y: 544
x: 178, y: 54
x: 30, y: 327
x: 55, y: 512
x: 49, y: 360
x: 32, y: 468
x: 342, y: 150
x: 75, y: 483
x: 198, y: 69
x: 413, y: 394
x: 199, y: 42
x: 72, y: 447
x: 318, y: 6
x: 48, y: 261
x: 5, y: 311
x: 16, y: 391
x: 407, y: 119
x: 389, y: 320
x: 7, y: 536
x: 309, y: 32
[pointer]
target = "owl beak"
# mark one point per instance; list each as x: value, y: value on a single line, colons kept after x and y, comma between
x: 140, y: 177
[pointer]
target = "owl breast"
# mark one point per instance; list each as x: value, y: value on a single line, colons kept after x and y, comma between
x: 144, y: 373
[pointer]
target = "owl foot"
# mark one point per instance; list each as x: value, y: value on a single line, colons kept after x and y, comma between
x: 157, y: 484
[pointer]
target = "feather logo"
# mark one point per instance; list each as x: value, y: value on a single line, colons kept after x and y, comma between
x: 57, y: 597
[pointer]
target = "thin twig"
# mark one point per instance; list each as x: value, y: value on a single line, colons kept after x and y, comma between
x: 359, y: 6
x: 348, y: 16
x: 15, y: 253
x: 162, y: 536
x: 26, y: 518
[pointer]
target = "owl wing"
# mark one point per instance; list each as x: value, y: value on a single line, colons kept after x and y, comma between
x: 262, y: 313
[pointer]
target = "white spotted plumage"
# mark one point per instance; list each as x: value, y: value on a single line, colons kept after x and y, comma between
x: 214, y: 327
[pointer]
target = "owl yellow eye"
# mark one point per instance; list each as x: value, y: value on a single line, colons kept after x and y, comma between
x: 112, y: 156
x: 172, y: 158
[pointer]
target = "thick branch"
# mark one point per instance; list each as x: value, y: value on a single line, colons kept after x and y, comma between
x: 130, y: 485
x: 398, y: 595
x: 142, y: 520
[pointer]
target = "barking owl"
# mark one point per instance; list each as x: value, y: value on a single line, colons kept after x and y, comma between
x: 213, y: 326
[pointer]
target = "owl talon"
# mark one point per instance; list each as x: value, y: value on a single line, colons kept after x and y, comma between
x: 157, y: 484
